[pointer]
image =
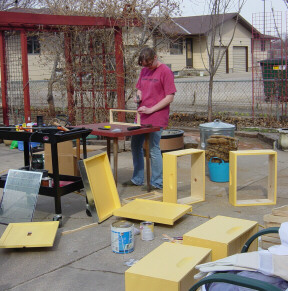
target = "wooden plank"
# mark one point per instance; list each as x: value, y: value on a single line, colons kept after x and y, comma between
x: 274, y: 219
x: 79, y: 228
x: 274, y: 240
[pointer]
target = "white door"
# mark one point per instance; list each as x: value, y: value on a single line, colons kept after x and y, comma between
x: 239, y: 59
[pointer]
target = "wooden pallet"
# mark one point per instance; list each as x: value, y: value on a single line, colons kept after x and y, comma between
x: 281, y: 211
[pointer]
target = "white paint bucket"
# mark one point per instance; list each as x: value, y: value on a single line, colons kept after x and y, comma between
x: 147, y: 230
x: 122, y: 237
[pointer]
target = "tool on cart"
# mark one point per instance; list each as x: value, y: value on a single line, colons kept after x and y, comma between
x: 41, y: 126
x: 34, y: 128
x: 60, y: 127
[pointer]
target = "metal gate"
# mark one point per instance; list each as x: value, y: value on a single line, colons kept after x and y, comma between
x: 269, y: 63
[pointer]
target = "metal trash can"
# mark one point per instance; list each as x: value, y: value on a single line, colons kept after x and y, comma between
x: 216, y: 127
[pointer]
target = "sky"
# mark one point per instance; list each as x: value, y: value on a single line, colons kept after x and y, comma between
x: 251, y: 6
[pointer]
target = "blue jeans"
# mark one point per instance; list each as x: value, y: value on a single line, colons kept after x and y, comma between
x: 137, y: 142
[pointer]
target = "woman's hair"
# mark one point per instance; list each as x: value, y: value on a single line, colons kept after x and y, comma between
x: 147, y: 54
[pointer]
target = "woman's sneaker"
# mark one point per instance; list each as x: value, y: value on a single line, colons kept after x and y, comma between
x: 129, y: 184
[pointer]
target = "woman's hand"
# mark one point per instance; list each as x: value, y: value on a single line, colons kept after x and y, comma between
x: 163, y: 103
x: 145, y: 110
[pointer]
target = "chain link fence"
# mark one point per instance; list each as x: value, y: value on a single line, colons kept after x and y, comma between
x: 231, y: 100
x: 234, y: 97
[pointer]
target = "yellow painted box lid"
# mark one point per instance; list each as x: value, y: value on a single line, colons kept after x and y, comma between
x: 29, y: 234
x: 155, y: 211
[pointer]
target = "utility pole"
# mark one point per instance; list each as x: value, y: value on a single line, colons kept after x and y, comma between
x: 264, y: 16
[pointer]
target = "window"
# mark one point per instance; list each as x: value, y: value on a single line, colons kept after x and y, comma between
x: 176, y: 47
x: 263, y: 45
x: 33, y: 45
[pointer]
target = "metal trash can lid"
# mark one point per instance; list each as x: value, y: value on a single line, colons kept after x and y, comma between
x: 217, y: 123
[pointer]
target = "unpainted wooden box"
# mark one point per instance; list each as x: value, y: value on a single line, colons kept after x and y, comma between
x: 170, y: 267
x: 224, y: 235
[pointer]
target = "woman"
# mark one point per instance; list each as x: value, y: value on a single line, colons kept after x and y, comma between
x: 155, y: 92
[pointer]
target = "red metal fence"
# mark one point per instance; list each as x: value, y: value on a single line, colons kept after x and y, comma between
x: 269, y: 57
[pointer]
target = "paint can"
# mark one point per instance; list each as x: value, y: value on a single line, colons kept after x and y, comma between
x: 122, y: 237
x: 46, y: 182
x: 147, y: 230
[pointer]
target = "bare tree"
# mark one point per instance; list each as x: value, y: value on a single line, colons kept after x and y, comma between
x: 8, y: 4
x: 215, y: 44
x: 150, y: 15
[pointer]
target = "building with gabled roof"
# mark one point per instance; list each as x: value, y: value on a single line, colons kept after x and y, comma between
x: 190, y: 36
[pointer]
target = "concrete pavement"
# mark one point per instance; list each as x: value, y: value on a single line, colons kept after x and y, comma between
x: 83, y: 260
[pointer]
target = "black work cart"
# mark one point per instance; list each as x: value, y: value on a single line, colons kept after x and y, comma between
x: 53, y: 136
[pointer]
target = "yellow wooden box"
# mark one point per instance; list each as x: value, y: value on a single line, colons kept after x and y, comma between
x: 169, y: 267
x: 272, y: 178
x: 197, y: 176
x: 224, y: 235
x: 102, y: 194
x: 102, y: 187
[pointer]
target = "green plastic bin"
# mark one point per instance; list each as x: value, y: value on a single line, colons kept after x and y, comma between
x: 274, y: 73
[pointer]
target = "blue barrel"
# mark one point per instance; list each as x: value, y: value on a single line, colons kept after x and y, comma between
x: 218, y: 171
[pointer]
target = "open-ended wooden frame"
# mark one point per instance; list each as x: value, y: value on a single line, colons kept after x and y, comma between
x: 272, y: 178
x: 138, y: 122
